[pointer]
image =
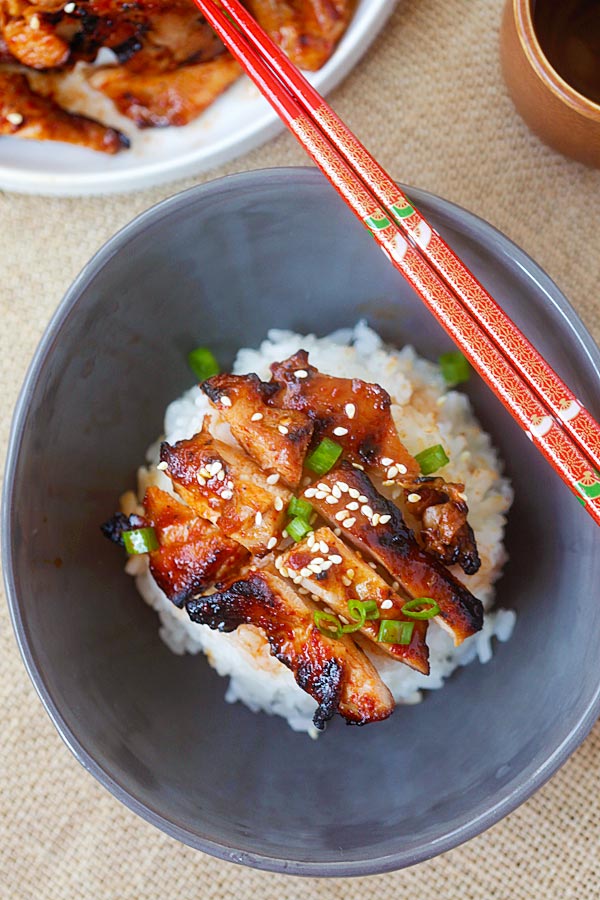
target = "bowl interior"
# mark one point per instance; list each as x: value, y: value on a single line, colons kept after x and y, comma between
x: 220, y: 265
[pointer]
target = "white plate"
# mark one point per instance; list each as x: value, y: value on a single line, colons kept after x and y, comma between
x: 236, y: 123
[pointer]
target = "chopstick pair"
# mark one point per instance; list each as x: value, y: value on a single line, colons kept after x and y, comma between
x: 549, y: 413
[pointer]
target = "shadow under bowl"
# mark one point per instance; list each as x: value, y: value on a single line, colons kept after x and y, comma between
x: 219, y: 265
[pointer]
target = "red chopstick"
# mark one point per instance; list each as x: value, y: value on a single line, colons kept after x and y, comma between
x: 438, y: 276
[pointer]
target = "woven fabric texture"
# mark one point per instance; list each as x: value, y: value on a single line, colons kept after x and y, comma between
x: 430, y: 103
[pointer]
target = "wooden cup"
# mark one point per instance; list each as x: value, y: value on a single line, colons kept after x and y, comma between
x: 556, y: 112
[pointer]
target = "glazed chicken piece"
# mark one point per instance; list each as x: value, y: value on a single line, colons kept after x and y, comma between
x: 26, y: 114
x: 437, y: 511
x: 336, y: 673
x: 161, y: 98
x: 193, y: 556
x: 376, y: 526
x: 276, y: 439
x: 222, y: 484
x: 351, y: 412
x: 335, y: 574
x: 162, y: 33
x: 306, y: 30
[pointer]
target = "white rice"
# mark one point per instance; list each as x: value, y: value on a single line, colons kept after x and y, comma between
x: 425, y: 413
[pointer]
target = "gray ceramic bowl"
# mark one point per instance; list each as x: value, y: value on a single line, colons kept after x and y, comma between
x: 219, y: 265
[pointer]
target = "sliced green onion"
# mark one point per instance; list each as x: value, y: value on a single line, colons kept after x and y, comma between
x: 432, y: 459
x: 357, y: 612
x: 455, y: 368
x: 203, y: 363
x: 328, y: 624
x: 371, y: 610
x: 392, y: 631
x: 298, y: 528
x: 140, y: 540
x: 299, y: 507
x: 324, y: 457
x: 421, y: 608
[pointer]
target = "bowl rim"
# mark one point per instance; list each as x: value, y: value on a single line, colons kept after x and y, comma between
x: 468, y: 827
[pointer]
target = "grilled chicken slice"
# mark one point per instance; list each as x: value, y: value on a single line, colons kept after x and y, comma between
x: 276, y: 439
x: 336, y: 673
x: 162, y: 98
x: 335, y: 574
x: 351, y: 412
x: 25, y: 114
x: 29, y: 35
x: 376, y: 526
x: 437, y: 511
x: 307, y: 30
x: 194, y: 556
x: 222, y: 484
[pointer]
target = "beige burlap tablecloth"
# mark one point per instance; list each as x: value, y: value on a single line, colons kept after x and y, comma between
x: 438, y: 117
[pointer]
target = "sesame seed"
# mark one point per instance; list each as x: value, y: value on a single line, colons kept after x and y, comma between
x: 311, y: 539
x: 350, y: 573
x: 387, y: 604
x: 256, y: 417
x: 320, y: 495
x: 272, y: 542
x: 273, y: 479
x: 317, y: 561
x: 353, y: 506
x: 278, y: 504
x: 314, y: 547
x: 336, y: 492
x: 375, y: 519
x: 297, y: 579
x: 306, y: 480
x: 367, y: 511
x: 330, y: 499
x: 326, y: 565
x: 413, y: 498
x: 388, y: 483
x: 301, y: 373
x: 386, y: 461
x: 284, y: 533
x: 396, y: 585
x: 363, y: 499
x: 162, y: 466
x: 349, y: 522
x: 373, y: 566
x: 14, y: 118
x: 221, y: 475
x: 324, y: 487
x: 343, y: 487
x: 335, y: 558
x: 227, y: 495
x: 69, y: 7
x: 358, y: 466
x: 324, y: 547
x: 200, y: 479
x: 350, y: 410
x: 225, y: 400
x: 215, y: 467
x: 204, y: 472
x: 392, y: 471
x: 337, y: 531
x: 34, y: 23
x: 402, y: 469
x: 305, y: 572
x: 341, y: 515
x: 354, y: 493
x: 383, y: 520
x: 310, y: 492
x: 283, y: 429
x: 314, y: 597
x: 340, y: 432
x: 346, y: 581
